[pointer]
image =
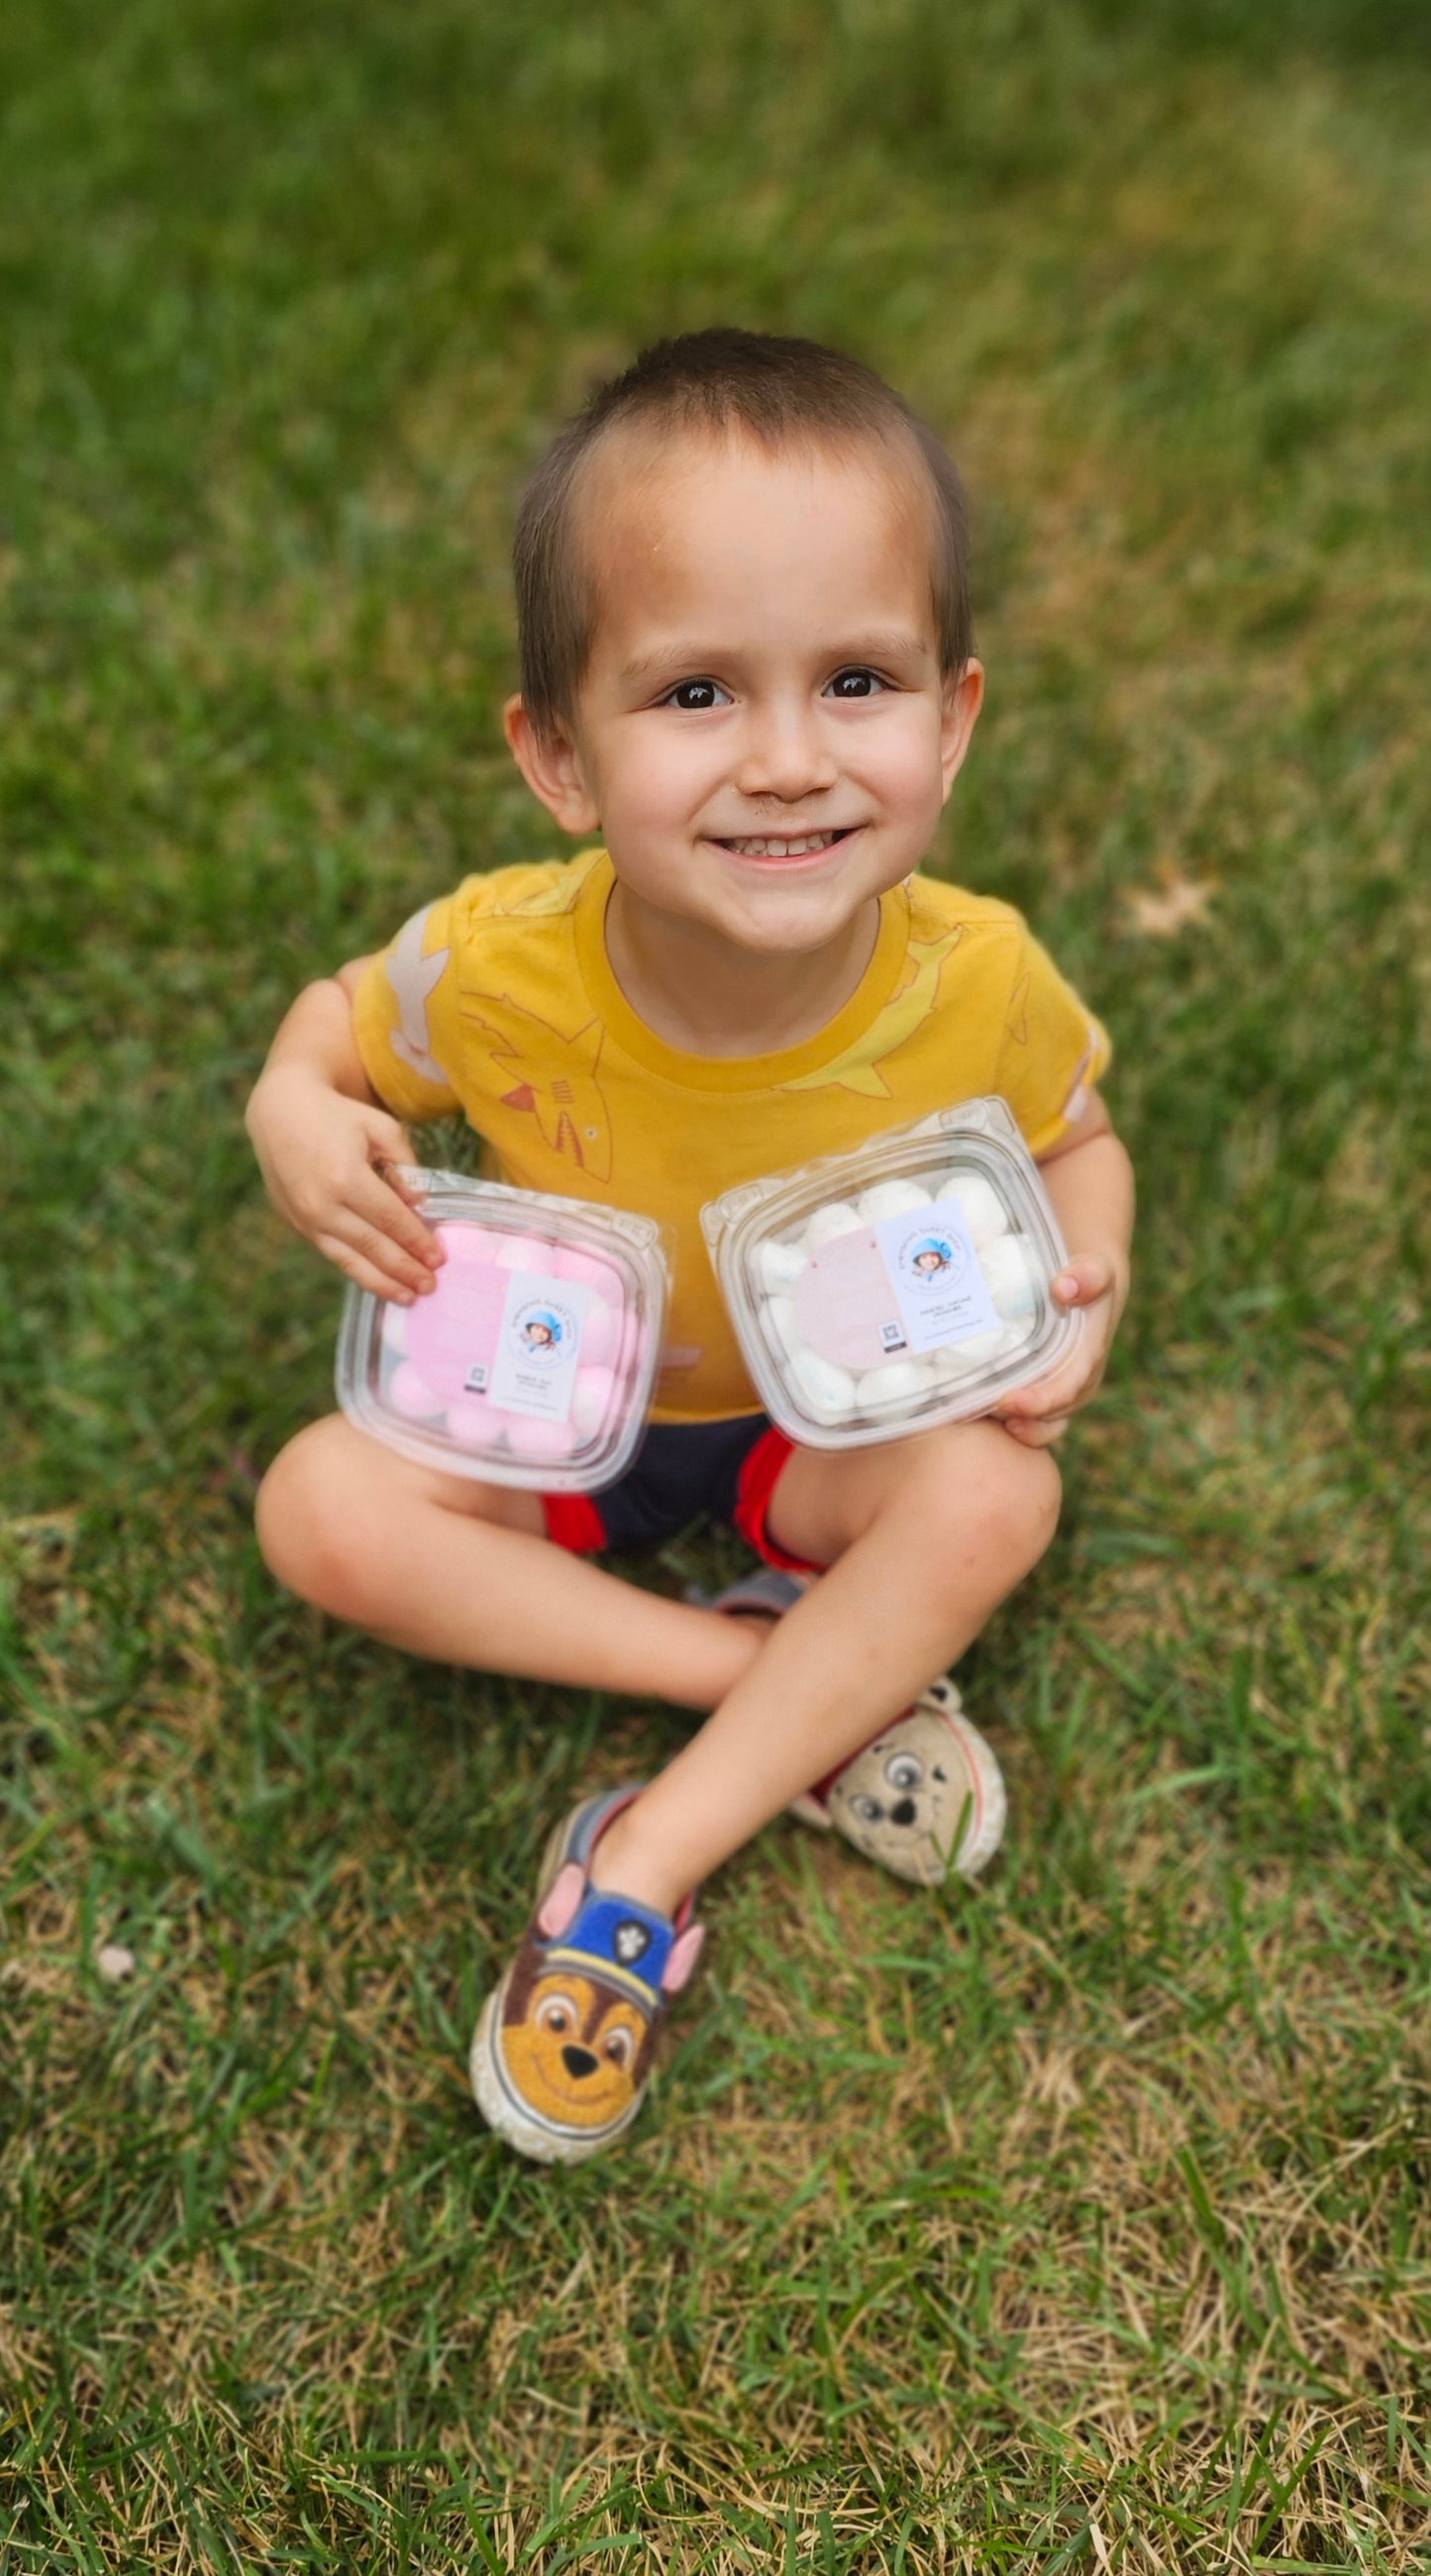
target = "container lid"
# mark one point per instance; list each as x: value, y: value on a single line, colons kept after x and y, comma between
x: 532, y: 1360
x: 884, y: 1291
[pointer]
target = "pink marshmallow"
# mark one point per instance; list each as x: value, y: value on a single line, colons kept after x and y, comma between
x: 475, y: 1424
x: 524, y: 1252
x: 591, y: 1399
x: 533, y: 1439
x: 469, y: 1244
x: 411, y: 1394
x: 600, y: 1335
x: 588, y: 1270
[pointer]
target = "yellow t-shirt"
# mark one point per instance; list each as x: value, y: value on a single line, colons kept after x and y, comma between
x: 499, y: 1000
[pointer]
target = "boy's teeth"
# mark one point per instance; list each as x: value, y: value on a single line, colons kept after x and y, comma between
x: 783, y: 849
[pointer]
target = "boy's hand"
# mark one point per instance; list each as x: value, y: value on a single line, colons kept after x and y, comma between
x: 327, y: 1164
x: 1096, y: 1287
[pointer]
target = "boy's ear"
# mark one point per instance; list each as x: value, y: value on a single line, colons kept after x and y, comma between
x: 552, y: 769
x: 963, y: 697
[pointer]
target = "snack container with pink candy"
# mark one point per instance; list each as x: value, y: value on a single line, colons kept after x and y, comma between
x: 532, y: 1361
x: 905, y: 1284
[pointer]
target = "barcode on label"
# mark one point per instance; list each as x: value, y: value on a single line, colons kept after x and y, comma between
x: 475, y: 1382
x: 892, y: 1337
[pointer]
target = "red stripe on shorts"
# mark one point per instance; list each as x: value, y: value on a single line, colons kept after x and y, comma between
x: 761, y: 1473
x: 574, y: 1522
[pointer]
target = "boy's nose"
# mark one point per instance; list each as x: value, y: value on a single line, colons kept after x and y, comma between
x: 785, y: 755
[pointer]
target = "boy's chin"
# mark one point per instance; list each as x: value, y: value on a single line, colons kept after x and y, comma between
x: 782, y: 925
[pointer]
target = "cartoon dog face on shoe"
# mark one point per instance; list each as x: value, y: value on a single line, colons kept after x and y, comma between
x: 584, y: 2001
x: 576, y: 2050
x: 901, y: 1801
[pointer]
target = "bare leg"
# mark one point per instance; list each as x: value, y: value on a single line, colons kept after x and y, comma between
x: 927, y: 1537
x: 923, y: 1538
x: 462, y: 1572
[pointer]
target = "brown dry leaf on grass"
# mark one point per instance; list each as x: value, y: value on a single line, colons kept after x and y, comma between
x: 1174, y: 902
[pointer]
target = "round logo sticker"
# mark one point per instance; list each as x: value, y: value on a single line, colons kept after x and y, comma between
x: 542, y: 1334
x: 931, y: 1259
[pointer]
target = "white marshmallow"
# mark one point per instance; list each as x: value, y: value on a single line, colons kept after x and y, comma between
x: 980, y: 1205
x: 1005, y: 1266
x: 961, y: 1359
x: 784, y: 1322
x: 895, y: 1383
x: 835, y: 1218
x: 779, y: 1266
x: 826, y: 1391
x: 890, y: 1198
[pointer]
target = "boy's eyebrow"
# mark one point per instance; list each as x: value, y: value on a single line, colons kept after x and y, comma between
x: 877, y: 644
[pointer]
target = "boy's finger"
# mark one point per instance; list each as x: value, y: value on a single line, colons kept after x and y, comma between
x: 363, y: 1273
x: 1057, y: 1394
x: 1036, y: 1432
x: 1083, y: 1281
x: 391, y: 1140
x: 374, y: 1198
x: 380, y: 1250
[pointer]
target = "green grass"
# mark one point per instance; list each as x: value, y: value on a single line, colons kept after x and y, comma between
x: 1076, y: 2223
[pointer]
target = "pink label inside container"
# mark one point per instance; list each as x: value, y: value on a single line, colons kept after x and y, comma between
x: 901, y: 1288
x: 452, y: 1334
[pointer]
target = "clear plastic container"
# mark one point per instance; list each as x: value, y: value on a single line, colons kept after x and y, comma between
x: 532, y: 1361
x: 881, y: 1292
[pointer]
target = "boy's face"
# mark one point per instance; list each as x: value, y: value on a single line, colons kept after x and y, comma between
x: 763, y: 737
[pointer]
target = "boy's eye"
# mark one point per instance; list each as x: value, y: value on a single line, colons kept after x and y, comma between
x: 854, y: 684
x: 692, y: 696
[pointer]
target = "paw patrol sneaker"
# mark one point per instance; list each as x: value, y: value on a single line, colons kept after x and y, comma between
x: 924, y: 1797
x: 562, y: 2053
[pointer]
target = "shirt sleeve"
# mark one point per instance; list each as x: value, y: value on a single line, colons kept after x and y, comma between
x: 1052, y: 1050
x: 405, y: 1016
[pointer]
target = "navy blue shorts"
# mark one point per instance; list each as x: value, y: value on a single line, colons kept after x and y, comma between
x: 683, y: 1472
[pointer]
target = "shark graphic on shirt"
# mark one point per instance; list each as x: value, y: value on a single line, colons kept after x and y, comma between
x: 548, y: 1075
x: 858, y: 1068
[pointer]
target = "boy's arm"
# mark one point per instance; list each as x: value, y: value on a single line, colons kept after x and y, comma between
x: 1089, y: 1178
x: 326, y: 1147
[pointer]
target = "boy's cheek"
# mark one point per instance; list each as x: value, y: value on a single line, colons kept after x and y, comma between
x: 656, y: 784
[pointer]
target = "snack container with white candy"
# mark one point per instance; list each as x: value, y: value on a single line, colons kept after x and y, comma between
x: 532, y: 1360
x: 905, y: 1284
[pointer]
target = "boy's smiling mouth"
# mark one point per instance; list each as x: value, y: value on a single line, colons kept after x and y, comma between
x: 785, y: 845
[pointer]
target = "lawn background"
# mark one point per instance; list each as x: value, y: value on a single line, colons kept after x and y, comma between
x: 1077, y: 2222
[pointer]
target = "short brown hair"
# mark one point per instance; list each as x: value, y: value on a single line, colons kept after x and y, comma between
x: 779, y: 392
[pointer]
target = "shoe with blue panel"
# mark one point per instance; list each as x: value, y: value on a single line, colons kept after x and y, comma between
x: 563, y: 2049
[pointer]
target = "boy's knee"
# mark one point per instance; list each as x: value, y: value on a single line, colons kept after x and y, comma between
x: 1019, y: 1492
x: 1035, y: 1498
x: 300, y: 1521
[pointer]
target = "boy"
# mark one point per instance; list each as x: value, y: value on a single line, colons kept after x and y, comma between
x: 746, y: 664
